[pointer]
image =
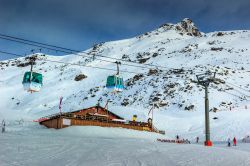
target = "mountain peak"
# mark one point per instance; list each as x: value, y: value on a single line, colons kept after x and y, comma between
x: 186, y: 26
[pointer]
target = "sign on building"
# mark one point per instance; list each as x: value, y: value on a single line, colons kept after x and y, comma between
x: 66, y: 122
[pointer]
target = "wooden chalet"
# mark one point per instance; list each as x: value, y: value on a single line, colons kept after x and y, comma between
x: 93, y: 116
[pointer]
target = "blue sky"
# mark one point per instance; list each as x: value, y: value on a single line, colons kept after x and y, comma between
x: 78, y: 24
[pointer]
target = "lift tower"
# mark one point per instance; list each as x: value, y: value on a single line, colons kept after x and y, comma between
x: 204, y: 80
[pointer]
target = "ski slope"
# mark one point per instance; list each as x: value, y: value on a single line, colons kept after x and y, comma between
x: 29, y: 145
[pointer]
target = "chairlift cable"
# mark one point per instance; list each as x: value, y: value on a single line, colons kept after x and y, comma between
x: 68, y: 63
x: 74, y: 52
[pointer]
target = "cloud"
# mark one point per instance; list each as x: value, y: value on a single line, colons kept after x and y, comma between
x: 79, y: 24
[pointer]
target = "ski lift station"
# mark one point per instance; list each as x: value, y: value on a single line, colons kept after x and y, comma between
x: 95, y: 116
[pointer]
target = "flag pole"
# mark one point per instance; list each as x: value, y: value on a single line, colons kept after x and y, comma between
x: 60, y: 108
x: 152, y: 114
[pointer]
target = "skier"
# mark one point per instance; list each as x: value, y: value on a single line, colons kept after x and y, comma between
x: 177, y: 138
x: 234, y: 140
x: 228, y: 142
x: 3, y: 126
x: 197, y: 140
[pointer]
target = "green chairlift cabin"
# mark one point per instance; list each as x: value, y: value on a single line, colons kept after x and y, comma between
x: 115, y: 82
x: 32, y: 81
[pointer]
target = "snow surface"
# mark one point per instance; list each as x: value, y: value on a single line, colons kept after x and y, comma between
x: 30, y: 144
x: 180, y: 101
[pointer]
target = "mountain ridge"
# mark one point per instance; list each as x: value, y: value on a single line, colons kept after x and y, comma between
x: 172, y: 85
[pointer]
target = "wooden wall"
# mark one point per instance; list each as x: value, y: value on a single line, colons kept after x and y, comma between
x: 53, y: 123
x: 78, y: 122
x: 57, y: 124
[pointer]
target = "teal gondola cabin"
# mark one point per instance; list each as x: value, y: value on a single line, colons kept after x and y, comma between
x: 32, y: 81
x: 115, y: 83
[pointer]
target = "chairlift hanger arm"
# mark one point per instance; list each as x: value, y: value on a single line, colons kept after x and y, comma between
x: 206, y: 78
x: 118, y: 63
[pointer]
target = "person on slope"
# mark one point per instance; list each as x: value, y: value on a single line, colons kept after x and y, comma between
x: 228, y: 142
x: 234, y: 140
x: 177, y: 138
x: 197, y: 140
x: 3, y: 126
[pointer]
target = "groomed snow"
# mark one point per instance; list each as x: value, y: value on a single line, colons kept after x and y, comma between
x: 32, y: 145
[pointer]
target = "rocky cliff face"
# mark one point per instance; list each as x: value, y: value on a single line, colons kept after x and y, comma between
x: 186, y: 26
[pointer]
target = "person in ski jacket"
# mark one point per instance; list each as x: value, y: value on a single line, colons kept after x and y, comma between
x: 228, y: 142
x: 177, y: 138
x: 234, y: 140
x: 197, y: 140
x: 3, y: 126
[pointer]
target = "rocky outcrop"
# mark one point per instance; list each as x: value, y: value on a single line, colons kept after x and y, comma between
x: 80, y: 77
x: 186, y: 26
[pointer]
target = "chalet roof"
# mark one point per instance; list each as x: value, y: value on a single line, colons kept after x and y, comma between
x: 64, y: 113
x: 99, y: 107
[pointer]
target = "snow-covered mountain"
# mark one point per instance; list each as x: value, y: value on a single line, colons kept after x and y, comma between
x: 179, y: 50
